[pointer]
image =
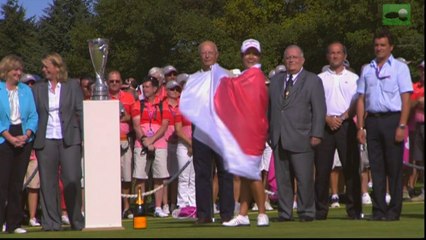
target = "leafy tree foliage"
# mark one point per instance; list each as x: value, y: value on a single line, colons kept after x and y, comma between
x: 18, y: 36
x: 61, y: 30
x: 151, y: 33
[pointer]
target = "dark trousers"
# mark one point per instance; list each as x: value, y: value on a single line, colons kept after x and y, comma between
x: 344, y: 140
x: 385, y: 156
x: 203, y: 158
x: 53, y: 155
x: 288, y: 167
x: 13, y: 166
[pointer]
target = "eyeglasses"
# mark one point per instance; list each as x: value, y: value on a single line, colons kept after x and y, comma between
x: 114, y: 81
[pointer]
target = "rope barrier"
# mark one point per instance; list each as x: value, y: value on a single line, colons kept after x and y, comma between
x: 414, y: 166
x: 30, y: 178
x: 167, y: 182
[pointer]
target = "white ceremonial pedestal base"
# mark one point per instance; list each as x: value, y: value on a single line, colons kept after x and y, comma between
x: 102, y: 180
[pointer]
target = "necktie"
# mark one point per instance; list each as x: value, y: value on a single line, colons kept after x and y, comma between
x: 288, y: 86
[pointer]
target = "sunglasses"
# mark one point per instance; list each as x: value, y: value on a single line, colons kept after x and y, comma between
x: 175, y: 89
x: 171, y: 74
x: 114, y: 81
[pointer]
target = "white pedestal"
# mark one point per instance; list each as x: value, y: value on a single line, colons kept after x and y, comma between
x: 102, y: 181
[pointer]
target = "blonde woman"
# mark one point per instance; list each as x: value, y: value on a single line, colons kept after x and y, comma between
x: 18, y: 123
x: 59, y: 103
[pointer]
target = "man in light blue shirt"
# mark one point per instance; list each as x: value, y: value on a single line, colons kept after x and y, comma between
x: 383, y: 107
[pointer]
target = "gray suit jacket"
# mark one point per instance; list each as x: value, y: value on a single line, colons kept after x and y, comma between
x: 302, y: 116
x: 70, y: 112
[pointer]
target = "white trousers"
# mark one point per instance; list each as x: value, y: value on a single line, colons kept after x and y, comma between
x: 186, y: 182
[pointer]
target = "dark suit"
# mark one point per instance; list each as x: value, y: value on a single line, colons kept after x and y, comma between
x: 293, y: 121
x: 65, y: 152
x: 204, y: 161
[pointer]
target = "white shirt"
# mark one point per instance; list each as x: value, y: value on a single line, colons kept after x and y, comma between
x: 340, y: 90
x: 15, y: 115
x: 54, y: 129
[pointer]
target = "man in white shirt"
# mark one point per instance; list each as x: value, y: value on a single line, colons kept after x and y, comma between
x: 340, y: 87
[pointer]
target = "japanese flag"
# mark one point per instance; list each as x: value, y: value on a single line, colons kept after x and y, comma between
x: 230, y: 116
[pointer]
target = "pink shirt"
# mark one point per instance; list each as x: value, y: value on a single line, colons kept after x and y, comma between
x: 151, y: 119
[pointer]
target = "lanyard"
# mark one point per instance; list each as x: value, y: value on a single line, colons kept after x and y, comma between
x: 152, y: 114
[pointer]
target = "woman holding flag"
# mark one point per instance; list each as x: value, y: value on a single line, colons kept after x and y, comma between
x: 250, y: 90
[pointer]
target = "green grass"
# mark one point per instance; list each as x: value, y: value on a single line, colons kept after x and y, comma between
x: 411, y: 225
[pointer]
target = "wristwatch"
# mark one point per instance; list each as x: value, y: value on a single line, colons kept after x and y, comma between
x: 402, y: 126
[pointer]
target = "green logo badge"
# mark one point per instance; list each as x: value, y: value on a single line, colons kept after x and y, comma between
x: 396, y: 14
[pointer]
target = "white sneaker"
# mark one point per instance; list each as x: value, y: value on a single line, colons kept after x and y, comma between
x: 254, y: 208
x: 20, y: 230
x: 335, y: 202
x: 215, y: 209
x: 33, y: 222
x: 159, y: 213
x: 239, y: 220
x: 237, y: 208
x: 65, y: 220
x: 268, y: 206
x: 294, y: 205
x: 420, y: 198
x: 366, y: 199
x: 262, y: 220
x: 387, y: 198
x: 166, y: 209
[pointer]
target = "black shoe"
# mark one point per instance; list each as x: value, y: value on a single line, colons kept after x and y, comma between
x: 377, y: 218
x: 355, y: 216
x: 320, y: 218
x: 411, y: 192
x: 306, y: 219
x: 203, y: 220
x: 281, y: 219
x: 392, y: 219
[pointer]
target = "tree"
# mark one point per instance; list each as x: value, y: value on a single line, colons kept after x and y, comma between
x: 19, y: 36
x: 58, y: 32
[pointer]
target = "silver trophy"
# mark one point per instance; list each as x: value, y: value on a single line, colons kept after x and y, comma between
x: 98, y: 49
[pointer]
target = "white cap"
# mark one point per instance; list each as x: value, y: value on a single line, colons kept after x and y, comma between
x: 271, y: 73
x: 181, y: 78
x: 422, y: 64
x: 173, y: 84
x: 403, y: 60
x: 28, y: 77
x: 280, y: 68
x: 346, y: 63
x: 250, y: 43
x: 235, y: 72
x: 168, y: 69
x: 325, y: 68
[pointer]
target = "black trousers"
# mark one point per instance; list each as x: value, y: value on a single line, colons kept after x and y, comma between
x: 204, y: 158
x: 13, y: 166
x: 385, y: 156
x: 344, y: 140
